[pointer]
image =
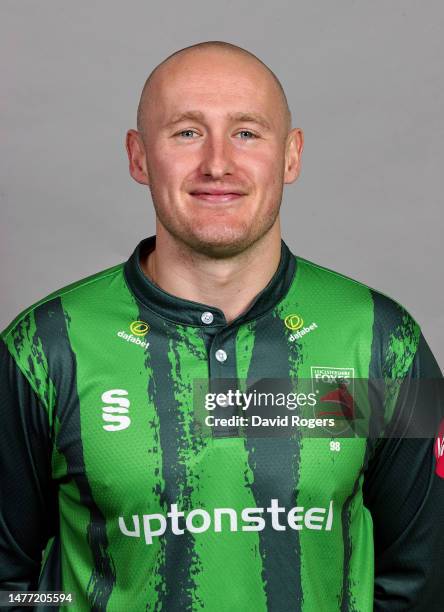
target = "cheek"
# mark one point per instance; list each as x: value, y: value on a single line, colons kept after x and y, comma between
x: 168, y: 162
x: 166, y: 171
x: 267, y: 171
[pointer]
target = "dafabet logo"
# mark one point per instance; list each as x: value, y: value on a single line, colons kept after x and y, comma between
x: 138, y: 329
x: 295, y: 323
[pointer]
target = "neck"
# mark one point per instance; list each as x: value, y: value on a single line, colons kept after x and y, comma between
x: 230, y: 284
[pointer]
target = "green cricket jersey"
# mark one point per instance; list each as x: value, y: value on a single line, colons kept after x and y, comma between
x: 104, y: 469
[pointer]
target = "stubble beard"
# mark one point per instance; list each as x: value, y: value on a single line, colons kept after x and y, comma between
x: 218, y: 242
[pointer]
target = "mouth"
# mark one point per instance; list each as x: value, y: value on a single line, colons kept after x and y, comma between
x: 216, y: 196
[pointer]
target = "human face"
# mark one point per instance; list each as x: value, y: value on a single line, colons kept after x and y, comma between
x: 215, y: 152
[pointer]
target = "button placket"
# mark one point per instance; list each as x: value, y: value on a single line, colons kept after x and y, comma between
x: 221, y: 355
x: 222, y: 378
x: 207, y: 317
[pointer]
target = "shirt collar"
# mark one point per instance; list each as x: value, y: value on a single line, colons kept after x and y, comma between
x: 180, y: 310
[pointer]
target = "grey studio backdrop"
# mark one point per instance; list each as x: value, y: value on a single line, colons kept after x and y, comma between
x: 364, y: 81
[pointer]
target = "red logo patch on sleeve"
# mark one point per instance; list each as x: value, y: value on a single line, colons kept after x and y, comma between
x: 439, y: 451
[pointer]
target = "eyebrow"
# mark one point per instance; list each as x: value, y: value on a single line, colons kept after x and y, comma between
x: 195, y: 115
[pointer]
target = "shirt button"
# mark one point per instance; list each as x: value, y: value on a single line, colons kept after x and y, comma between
x: 221, y: 355
x: 207, y: 317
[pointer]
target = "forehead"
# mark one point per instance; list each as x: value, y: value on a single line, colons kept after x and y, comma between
x: 215, y: 83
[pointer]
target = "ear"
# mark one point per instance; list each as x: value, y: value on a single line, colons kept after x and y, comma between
x: 293, y: 154
x: 137, y: 157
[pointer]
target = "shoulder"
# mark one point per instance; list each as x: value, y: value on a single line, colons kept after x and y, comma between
x: 77, y: 290
x: 393, y: 332
x: 40, y: 329
x: 334, y: 284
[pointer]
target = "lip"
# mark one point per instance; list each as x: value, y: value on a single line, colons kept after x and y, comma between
x: 216, y: 196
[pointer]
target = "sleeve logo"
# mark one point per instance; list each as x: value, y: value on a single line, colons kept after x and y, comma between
x: 439, y: 451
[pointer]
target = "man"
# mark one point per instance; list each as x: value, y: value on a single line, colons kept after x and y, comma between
x: 106, y: 464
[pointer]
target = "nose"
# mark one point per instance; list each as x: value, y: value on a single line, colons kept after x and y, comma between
x: 217, y: 158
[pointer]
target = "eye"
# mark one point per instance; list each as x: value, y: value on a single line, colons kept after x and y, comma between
x: 247, y: 132
x: 186, y: 132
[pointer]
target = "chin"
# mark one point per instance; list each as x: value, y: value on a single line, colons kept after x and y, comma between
x: 222, y: 243
x: 219, y: 239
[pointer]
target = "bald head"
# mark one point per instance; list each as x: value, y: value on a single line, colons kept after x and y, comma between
x: 179, y: 59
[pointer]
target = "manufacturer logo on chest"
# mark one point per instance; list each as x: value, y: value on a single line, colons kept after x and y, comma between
x: 116, y: 409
